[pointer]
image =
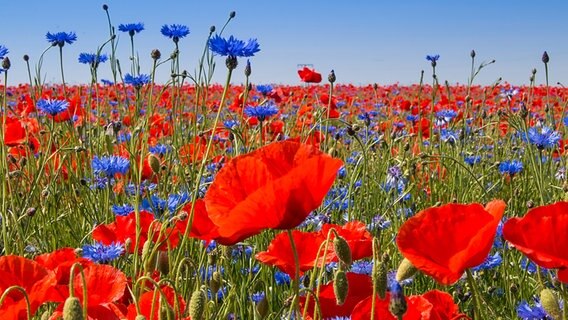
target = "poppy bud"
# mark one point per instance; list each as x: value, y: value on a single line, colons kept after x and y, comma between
x: 405, y: 270
x: 331, y: 78
x: 550, y: 303
x: 215, y: 283
x: 262, y: 307
x: 6, y: 63
x: 149, y: 257
x: 140, y: 317
x: 397, y: 303
x: 472, y: 54
x: 342, y: 249
x: 154, y: 163
x: 545, y: 57
x: 380, y: 277
x: 340, y: 287
x: 197, y: 304
x: 156, y: 54
x: 72, y: 309
x: 248, y: 69
x: 212, y: 258
x: 163, y: 262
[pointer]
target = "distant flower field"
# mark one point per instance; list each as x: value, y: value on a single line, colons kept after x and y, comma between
x: 127, y: 199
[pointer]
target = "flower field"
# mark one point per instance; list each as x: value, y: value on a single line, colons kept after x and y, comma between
x: 125, y: 198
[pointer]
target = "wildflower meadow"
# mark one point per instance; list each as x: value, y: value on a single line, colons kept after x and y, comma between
x: 128, y: 198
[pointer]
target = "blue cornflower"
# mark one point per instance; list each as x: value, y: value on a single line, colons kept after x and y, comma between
x: 509, y: 93
x: 160, y: 149
x: 449, y: 136
x: 122, y: 210
x: 230, y: 124
x: 511, y: 167
x: 175, y: 31
x: 137, y: 81
x: 362, y: 267
x: 445, y: 116
x: 264, y: 89
x: 233, y: 47
x: 110, y: 165
x: 52, y: 107
x: 490, y: 263
x: 261, y: 112
x: 60, y: 38
x: 471, y: 160
x: 536, y: 312
x: 175, y: 201
x: 92, y: 58
x: 101, y: 253
x: 257, y: 297
x: 433, y: 58
x: 155, y: 204
x: 131, y: 28
x: 107, y: 82
x: 3, y: 51
x: 281, y: 278
x: 546, y: 138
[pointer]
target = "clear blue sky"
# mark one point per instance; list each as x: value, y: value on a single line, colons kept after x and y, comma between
x: 364, y: 41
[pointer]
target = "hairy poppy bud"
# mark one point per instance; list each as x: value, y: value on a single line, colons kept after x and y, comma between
x: 215, y: 283
x: 149, y: 257
x: 342, y: 249
x: 154, y: 163
x: 380, y: 276
x: 197, y: 304
x: 340, y: 287
x: 262, y: 307
x: 550, y: 303
x: 72, y: 309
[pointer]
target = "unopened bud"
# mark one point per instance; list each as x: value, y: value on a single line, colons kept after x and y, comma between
x: 72, y: 309
x: 405, y: 270
x: 6, y: 63
x: 340, y: 287
x: 550, y: 303
x: 331, y: 77
x: 545, y: 57
x: 197, y: 304
x: 156, y: 54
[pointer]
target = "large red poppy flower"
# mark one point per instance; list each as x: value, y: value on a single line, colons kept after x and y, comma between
x: 360, y: 287
x: 60, y: 262
x: 542, y: 235
x: 124, y: 228
x: 360, y: 240
x: 280, y: 254
x: 152, y: 300
x: 276, y: 187
x: 309, y: 75
x: 433, y: 305
x: 14, y: 132
x: 32, y: 277
x: 105, y: 285
x: 202, y: 227
x: 444, y: 241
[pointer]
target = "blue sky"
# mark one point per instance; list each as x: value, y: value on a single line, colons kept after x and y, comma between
x: 367, y: 42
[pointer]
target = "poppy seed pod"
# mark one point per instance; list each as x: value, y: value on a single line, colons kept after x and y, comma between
x: 72, y: 309
x: 340, y: 287
x: 197, y: 304
x: 550, y: 303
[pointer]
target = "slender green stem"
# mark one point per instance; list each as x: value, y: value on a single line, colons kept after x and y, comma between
x: 478, y: 313
x: 62, y: 73
x: 296, y: 283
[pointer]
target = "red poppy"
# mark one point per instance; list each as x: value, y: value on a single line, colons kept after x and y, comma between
x: 152, y: 300
x: 32, y: 277
x: 60, y: 262
x: 309, y: 75
x: 14, y: 132
x: 276, y: 187
x: 360, y: 287
x: 433, y: 305
x: 105, y: 286
x: 444, y: 241
x: 279, y: 253
x: 355, y: 233
x: 124, y: 228
x: 202, y: 227
x: 542, y: 235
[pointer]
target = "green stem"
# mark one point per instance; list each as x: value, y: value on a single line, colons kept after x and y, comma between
x: 296, y: 284
x: 477, y: 313
x: 62, y: 73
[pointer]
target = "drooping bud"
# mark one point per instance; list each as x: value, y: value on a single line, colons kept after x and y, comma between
x: 197, y: 304
x: 340, y: 287
x: 149, y: 257
x: 405, y: 270
x: 154, y: 163
x: 342, y: 249
x: 72, y: 309
x: 262, y: 307
x: 550, y: 303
